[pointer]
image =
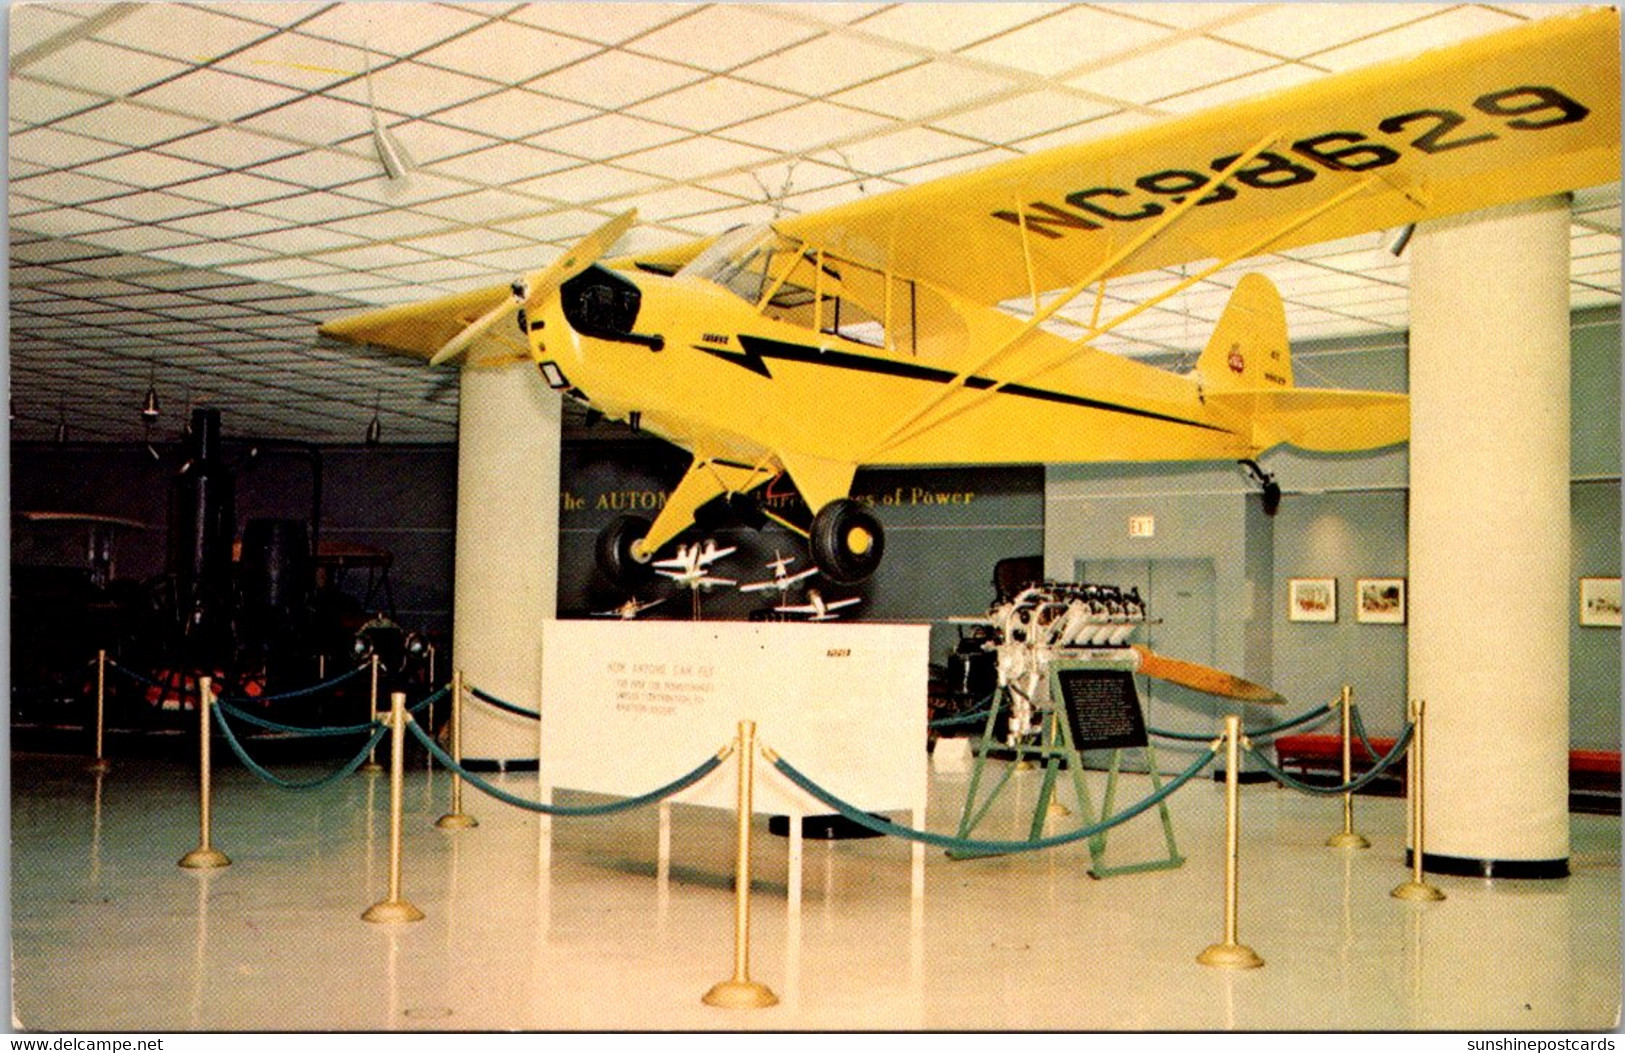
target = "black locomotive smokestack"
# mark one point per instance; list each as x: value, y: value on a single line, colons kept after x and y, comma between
x: 202, y: 529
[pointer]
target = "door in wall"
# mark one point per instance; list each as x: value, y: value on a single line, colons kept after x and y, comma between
x: 1181, y: 611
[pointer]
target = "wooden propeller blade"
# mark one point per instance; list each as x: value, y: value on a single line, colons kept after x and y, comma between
x: 1203, y: 678
x: 582, y: 254
x: 474, y: 330
x: 542, y: 284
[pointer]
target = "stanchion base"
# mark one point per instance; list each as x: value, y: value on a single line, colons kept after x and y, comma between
x: 204, y: 859
x: 100, y: 767
x: 456, y: 821
x: 391, y: 910
x: 740, y: 994
x: 371, y: 768
x: 1347, y: 840
x: 1419, y: 891
x: 1230, y: 956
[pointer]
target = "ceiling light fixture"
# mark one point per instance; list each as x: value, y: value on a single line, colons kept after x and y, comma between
x: 149, y: 406
x: 375, y: 427
x: 397, y: 165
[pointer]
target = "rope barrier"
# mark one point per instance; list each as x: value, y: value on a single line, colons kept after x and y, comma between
x: 300, y: 692
x: 1352, y: 786
x: 271, y: 725
x: 529, y: 714
x: 183, y: 687
x: 1272, y: 729
x: 672, y: 788
x: 971, y: 846
x: 1359, y: 729
x: 983, y: 707
x: 314, y: 784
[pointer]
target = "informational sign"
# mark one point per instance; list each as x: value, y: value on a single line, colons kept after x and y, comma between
x: 1103, y: 708
x: 1142, y: 526
x: 629, y: 706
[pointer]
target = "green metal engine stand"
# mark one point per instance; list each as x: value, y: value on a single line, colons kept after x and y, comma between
x: 1055, y: 746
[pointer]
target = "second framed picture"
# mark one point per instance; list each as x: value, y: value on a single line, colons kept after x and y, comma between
x: 1380, y: 600
x: 1312, y: 600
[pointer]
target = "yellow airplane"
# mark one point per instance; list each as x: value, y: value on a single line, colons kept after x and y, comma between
x: 876, y: 332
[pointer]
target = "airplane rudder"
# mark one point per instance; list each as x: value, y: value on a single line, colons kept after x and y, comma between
x: 1249, y: 348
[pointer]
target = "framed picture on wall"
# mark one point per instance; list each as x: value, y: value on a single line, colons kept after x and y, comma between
x: 1599, y: 601
x: 1380, y: 600
x: 1312, y: 600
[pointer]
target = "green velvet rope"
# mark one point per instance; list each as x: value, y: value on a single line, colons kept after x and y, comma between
x: 1273, y: 729
x: 971, y: 846
x: 314, y: 784
x: 529, y: 714
x: 676, y: 786
x: 1352, y: 785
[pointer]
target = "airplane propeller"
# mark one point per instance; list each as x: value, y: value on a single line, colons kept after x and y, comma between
x: 1202, y: 678
x: 534, y: 290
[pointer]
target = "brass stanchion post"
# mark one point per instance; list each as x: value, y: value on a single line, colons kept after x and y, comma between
x: 741, y: 992
x: 456, y: 819
x: 1230, y: 954
x: 372, y: 767
x: 205, y: 856
x: 100, y: 763
x: 394, y: 908
x: 1348, y: 838
x: 1417, y: 888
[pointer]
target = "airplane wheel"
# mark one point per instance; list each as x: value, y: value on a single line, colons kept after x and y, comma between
x: 847, y: 542
x: 615, y: 557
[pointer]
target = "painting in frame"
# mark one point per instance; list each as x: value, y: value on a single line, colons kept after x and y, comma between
x: 1599, y: 602
x: 1312, y: 600
x: 1380, y: 601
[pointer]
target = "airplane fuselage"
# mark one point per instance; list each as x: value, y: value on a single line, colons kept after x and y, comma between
x: 737, y: 384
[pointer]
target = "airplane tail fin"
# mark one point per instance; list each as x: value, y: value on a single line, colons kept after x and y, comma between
x: 1246, y: 370
x: 1248, y: 350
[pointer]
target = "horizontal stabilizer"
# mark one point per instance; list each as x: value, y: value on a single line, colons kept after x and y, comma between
x: 1318, y: 419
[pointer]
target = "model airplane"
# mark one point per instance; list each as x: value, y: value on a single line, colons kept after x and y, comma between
x: 689, y: 567
x: 893, y: 311
x: 816, y: 608
x: 782, y: 578
x: 630, y: 609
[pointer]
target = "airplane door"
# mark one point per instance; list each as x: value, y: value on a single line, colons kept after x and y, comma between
x: 1180, y: 600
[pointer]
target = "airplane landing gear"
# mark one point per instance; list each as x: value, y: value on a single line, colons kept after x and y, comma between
x: 615, y: 553
x: 846, y: 542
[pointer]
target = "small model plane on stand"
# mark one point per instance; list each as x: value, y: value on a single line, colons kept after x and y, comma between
x: 690, y: 569
x: 921, y: 318
x: 817, y: 609
x: 782, y: 579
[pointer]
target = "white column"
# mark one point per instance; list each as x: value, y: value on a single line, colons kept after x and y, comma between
x: 1489, y: 536
x: 507, y: 551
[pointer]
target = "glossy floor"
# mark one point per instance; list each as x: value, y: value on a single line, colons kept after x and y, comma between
x: 109, y: 934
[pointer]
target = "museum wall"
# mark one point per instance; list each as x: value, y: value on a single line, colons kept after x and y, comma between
x: 1344, y: 516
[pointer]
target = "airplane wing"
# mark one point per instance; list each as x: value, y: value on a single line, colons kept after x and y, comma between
x: 838, y: 604
x: 715, y: 554
x: 1512, y: 115
x: 422, y: 329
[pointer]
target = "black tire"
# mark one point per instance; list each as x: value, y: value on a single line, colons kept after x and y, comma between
x: 615, y: 558
x: 847, y: 542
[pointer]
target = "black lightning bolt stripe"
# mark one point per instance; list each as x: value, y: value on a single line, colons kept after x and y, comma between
x: 758, y: 350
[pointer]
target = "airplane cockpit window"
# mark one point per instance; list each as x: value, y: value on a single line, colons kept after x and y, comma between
x: 792, y: 282
x: 742, y: 260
